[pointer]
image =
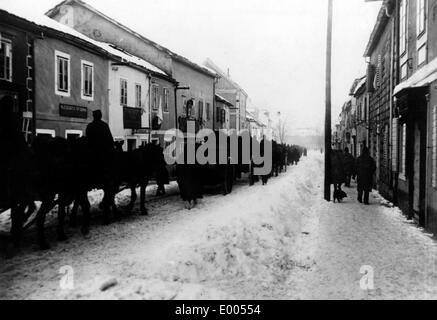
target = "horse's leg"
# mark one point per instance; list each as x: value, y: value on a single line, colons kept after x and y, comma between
x: 17, y: 213
x: 133, y: 196
x: 115, y: 211
x: 143, y: 208
x: 73, y: 216
x: 31, y: 207
x: 106, y: 206
x: 85, y: 204
x: 61, y: 218
x: 40, y: 220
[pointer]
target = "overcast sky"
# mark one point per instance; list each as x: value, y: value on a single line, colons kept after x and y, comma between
x: 274, y: 49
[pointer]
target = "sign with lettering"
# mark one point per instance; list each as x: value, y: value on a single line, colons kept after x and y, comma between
x: 70, y: 111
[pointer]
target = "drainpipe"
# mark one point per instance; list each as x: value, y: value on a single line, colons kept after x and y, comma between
x: 390, y: 141
x: 150, y: 106
x: 428, y: 157
x: 176, y: 104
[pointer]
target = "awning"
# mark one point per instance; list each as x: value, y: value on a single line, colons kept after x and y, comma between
x: 422, y: 77
x: 411, y: 99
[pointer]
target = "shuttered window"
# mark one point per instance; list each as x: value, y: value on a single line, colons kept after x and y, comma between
x: 62, y: 74
x: 5, y: 60
x: 403, y: 150
x: 123, y: 92
x: 421, y: 16
x: 403, y: 27
x: 208, y: 111
x: 87, y: 80
x: 138, y: 95
x: 166, y: 99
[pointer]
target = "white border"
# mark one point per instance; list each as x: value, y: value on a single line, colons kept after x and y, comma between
x: 82, y: 86
x: 46, y: 131
x: 79, y: 132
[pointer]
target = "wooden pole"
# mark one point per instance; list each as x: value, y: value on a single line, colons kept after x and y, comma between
x: 328, y: 105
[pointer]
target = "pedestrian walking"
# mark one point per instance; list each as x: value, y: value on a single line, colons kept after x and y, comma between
x: 366, y: 168
x: 349, y: 166
x: 338, y: 175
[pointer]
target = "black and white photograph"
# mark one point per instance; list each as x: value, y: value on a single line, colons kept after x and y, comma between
x: 189, y: 151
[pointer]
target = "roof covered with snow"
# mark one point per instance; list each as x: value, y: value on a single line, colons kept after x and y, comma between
x: 172, y: 54
x: 380, y: 25
x: 46, y: 22
x: 221, y: 99
x: 216, y: 69
x: 357, y: 85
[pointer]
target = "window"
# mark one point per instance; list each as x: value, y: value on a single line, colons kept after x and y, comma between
x: 421, y: 55
x: 200, y: 110
x: 87, y: 80
x: 403, y: 27
x: 434, y: 146
x: 208, y: 111
x: 155, y: 97
x: 5, y: 60
x: 138, y: 96
x: 123, y: 92
x: 404, y: 70
x: 62, y: 70
x: 166, y: 99
x: 421, y: 17
x: 378, y: 76
x: 402, y: 150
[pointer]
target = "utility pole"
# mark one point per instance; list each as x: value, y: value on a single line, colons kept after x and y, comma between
x: 328, y: 105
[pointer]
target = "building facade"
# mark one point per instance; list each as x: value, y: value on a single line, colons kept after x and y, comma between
x: 397, y: 109
x: 17, y: 64
x: 194, y: 82
x: 381, y: 78
x: 233, y: 93
x: 223, y: 112
x: 70, y: 83
x: 415, y: 108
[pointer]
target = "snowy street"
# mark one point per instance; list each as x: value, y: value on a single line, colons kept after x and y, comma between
x: 281, y: 241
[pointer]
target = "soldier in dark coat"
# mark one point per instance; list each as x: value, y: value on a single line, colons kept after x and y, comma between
x: 161, y: 171
x: 338, y: 175
x: 349, y: 166
x: 366, y: 168
x: 99, y: 135
x: 189, y: 180
x: 103, y: 154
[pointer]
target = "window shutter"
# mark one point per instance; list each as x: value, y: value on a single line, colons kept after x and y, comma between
x: 377, y: 81
x: 370, y: 77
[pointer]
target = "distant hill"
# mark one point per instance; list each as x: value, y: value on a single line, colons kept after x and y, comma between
x: 309, y: 142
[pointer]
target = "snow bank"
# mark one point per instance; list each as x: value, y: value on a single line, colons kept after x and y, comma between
x: 253, y: 237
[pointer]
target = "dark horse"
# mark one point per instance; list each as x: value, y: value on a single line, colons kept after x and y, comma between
x: 130, y: 169
x: 136, y: 168
x: 61, y: 172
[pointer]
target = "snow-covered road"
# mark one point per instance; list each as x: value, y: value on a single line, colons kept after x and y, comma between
x: 281, y: 241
